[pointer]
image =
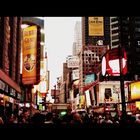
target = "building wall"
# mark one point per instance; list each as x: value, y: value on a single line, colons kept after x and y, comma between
x: 114, y: 32
x: 10, y: 45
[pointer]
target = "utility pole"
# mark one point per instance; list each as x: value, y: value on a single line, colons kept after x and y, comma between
x: 121, y: 51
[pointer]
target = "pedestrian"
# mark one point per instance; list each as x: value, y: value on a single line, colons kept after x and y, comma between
x: 1, y: 120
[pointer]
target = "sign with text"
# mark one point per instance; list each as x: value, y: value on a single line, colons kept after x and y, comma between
x: 29, y: 52
x: 72, y: 61
x: 96, y: 26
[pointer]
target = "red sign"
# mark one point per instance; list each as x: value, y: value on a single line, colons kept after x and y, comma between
x: 113, y: 62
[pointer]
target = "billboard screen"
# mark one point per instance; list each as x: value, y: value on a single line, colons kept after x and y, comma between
x: 96, y: 26
x: 135, y: 90
x: 29, y: 52
x: 111, y: 63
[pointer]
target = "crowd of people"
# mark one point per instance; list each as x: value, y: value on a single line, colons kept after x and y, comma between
x: 23, y: 116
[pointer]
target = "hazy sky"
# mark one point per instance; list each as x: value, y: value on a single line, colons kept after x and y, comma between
x: 59, y: 41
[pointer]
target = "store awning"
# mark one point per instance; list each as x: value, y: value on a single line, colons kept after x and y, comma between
x: 5, y: 78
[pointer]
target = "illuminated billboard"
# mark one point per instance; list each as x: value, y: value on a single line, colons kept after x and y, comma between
x: 96, y: 26
x: 135, y: 90
x: 111, y: 63
x: 29, y: 52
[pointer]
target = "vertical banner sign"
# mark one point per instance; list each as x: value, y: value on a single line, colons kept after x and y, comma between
x: 29, y: 55
x: 96, y: 26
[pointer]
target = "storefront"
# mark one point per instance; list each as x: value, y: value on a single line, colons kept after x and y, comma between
x: 9, y: 98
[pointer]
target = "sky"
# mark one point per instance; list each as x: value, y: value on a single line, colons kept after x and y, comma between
x: 59, y: 38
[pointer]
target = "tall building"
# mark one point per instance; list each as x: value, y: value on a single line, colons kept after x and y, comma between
x: 125, y: 31
x: 77, y: 45
x: 114, y: 32
x: 129, y: 39
x: 95, y: 43
x: 90, y: 58
x: 34, y: 26
x: 10, y: 47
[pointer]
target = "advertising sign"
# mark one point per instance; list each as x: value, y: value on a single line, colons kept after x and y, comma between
x: 82, y: 101
x: 89, y: 78
x: 43, y: 67
x: 135, y: 90
x: 72, y: 61
x: 96, y: 26
x: 75, y: 74
x: 29, y: 52
x: 88, y: 100
x: 111, y: 63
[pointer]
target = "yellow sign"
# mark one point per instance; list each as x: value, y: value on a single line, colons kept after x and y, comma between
x: 29, y: 55
x: 96, y: 26
x: 135, y: 90
x: 138, y: 105
x: 82, y: 101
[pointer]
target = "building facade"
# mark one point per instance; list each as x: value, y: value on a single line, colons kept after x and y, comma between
x: 41, y: 62
x: 10, y: 47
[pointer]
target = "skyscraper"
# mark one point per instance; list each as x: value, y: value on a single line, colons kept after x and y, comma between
x: 125, y: 31
x: 77, y: 45
x: 114, y: 32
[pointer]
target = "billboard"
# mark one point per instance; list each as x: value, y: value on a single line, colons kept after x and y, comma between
x: 111, y: 63
x: 96, y: 26
x: 43, y: 67
x: 89, y: 78
x: 72, y: 61
x: 88, y: 99
x: 135, y: 90
x: 29, y: 52
x: 75, y: 74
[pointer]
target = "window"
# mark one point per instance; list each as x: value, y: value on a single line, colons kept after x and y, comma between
x: 115, y: 31
x: 115, y: 37
x: 108, y: 93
